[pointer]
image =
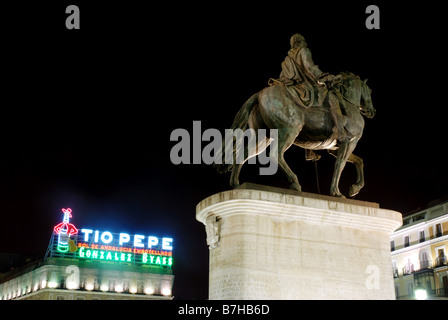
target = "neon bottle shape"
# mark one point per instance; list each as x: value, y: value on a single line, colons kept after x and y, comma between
x: 64, y: 230
x: 63, y: 240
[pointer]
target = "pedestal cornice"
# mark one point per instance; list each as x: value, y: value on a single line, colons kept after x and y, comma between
x: 283, y: 204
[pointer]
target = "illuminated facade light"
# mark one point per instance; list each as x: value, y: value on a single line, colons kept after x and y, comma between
x: 72, y: 285
x: 104, y: 287
x: 133, y: 286
x: 89, y: 286
x: 166, y: 292
x: 118, y: 288
x: 149, y: 290
x: 420, y: 292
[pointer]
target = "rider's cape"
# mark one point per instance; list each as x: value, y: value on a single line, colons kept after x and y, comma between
x: 300, y: 74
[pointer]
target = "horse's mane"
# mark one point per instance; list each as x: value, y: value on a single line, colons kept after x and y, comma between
x: 346, y: 79
x: 348, y: 75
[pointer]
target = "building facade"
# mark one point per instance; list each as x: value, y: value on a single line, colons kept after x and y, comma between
x: 89, y: 264
x: 419, y: 253
x: 66, y: 279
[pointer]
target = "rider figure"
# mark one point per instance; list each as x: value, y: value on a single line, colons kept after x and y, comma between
x: 307, y: 83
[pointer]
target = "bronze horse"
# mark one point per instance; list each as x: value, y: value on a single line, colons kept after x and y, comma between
x: 308, y: 128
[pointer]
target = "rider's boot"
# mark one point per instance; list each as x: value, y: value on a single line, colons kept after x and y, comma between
x: 339, y: 120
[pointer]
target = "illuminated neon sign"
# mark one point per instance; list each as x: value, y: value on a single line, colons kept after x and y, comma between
x: 145, y: 258
x: 90, y: 244
x: 107, y: 237
x: 64, y: 230
x: 122, y: 247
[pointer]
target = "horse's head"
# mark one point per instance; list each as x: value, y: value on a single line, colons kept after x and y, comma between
x: 358, y: 93
x: 366, y: 105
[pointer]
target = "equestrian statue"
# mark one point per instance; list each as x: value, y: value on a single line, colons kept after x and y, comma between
x: 310, y: 109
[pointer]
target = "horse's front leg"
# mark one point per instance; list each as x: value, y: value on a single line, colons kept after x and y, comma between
x: 359, y: 164
x: 234, y: 177
x: 285, y: 139
x: 344, y: 152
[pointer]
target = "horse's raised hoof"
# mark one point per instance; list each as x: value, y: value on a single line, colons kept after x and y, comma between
x: 354, y: 190
x: 296, y: 186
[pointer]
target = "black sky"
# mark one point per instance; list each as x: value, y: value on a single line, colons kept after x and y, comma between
x: 87, y: 114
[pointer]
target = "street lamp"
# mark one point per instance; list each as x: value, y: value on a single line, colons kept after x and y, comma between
x: 420, y: 292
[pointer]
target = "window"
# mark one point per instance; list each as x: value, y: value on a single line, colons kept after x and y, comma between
x: 422, y: 236
x: 441, y: 259
x: 438, y: 230
x: 419, y: 217
x: 424, y: 262
x: 406, y: 241
x: 392, y: 245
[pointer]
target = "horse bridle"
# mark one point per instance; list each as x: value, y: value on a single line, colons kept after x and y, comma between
x: 361, y: 110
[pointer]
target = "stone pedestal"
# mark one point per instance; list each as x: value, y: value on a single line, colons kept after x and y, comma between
x: 271, y: 243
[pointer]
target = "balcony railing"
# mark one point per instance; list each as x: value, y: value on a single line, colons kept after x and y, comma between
x: 425, y: 264
x: 408, y: 269
x: 440, y: 261
x: 422, y: 265
x: 395, y: 271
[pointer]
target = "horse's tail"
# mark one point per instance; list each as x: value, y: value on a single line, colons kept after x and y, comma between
x: 240, y: 122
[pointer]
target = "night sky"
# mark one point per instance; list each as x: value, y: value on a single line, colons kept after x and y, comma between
x: 87, y: 114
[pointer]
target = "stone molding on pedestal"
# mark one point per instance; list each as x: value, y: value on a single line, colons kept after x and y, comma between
x: 271, y: 243
x: 318, y: 209
x: 212, y: 229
